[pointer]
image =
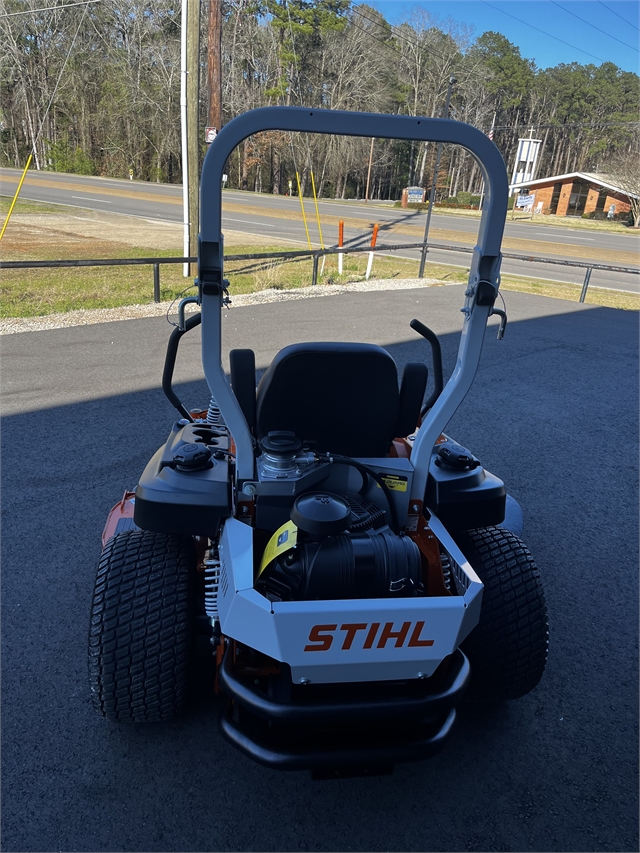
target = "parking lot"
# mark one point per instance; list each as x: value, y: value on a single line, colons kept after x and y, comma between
x: 553, y: 412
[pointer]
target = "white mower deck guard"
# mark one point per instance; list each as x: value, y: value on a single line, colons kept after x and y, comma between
x: 297, y: 632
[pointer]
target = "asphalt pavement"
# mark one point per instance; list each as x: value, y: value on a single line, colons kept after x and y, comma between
x: 553, y: 411
x: 266, y: 215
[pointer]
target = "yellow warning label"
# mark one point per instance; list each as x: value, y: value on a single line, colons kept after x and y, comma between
x: 282, y: 540
x: 395, y: 482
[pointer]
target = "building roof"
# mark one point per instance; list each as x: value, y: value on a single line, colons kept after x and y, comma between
x: 604, y: 180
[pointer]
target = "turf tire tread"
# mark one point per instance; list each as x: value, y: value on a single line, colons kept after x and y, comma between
x: 140, y: 635
x: 508, y: 648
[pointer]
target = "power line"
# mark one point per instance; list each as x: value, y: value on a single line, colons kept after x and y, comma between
x: 64, y: 65
x: 386, y: 43
x: 476, y: 74
x: 593, y: 26
x: 49, y: 8
x: 371, y: 35
x: 593, y: 125
x: 397, y: 35
x: 520, y: 21
x: 615, y: 13
x: 465, y: 72
x: 295, y: 61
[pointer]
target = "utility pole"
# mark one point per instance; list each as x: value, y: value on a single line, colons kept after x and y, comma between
x: 366, y: 195
x: 432, y: 197
x: 214, y: 65
x: 184, y: 145
x: 193, y: 138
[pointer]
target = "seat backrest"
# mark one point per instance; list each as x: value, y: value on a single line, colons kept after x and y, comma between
x: 342, y: 396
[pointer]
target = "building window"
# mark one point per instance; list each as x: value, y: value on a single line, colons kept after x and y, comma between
x: 578, y: 198
x: 602, y: 197
x: 555, y: 198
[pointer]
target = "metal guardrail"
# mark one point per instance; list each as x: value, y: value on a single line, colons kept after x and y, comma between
x: 102, y: 262
x: 315, y: 254
x: 531, y: 258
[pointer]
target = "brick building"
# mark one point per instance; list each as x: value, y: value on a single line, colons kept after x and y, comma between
x: 575, y: 194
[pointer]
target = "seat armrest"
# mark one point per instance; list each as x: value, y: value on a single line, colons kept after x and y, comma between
x: 243, y: 382
x: 412, y: 390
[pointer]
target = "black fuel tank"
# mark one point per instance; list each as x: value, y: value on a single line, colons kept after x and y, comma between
x: 185, y: 487
x: 464, y: 499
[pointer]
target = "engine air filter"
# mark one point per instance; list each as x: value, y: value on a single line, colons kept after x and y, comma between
x: 321, y: 514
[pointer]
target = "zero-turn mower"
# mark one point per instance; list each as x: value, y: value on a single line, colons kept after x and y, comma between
x: 340, y: 570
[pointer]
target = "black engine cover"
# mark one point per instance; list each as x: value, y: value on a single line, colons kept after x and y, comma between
x: 375, y: 565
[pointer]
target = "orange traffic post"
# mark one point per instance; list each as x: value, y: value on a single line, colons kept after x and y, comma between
x: 374, y: 239
x: 340, y: 245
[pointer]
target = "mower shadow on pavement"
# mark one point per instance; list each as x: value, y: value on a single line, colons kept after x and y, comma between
x: 553, y: 412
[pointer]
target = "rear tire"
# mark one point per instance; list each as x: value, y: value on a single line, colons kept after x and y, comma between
x: 508, y: 648
x: 141, y: 631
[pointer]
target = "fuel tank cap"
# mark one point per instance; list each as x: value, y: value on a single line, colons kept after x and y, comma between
x: 192, y: 457
x: 453, y: 455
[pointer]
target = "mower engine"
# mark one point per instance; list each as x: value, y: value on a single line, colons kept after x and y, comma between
x: 375, y: 564
x: 335, y: 544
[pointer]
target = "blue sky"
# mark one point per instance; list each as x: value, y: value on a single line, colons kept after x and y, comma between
x: 612, y: 22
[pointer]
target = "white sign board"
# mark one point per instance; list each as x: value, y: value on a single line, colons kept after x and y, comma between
x: 525, y: 200
x: 210, y: 134
x: 524, y: 168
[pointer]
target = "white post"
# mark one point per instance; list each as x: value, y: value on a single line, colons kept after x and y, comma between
x: 369, y: 265
x: 374, y: 238
x: 183, y: 140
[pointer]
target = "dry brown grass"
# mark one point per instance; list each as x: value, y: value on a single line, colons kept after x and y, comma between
x: 28, y: 293
x: 571, y: 292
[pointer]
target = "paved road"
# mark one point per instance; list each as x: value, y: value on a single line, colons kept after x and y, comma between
x: 164, y: 201
x: 553, y: 411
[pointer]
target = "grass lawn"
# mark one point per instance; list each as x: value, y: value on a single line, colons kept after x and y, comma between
x: 571, y: 292
x: 36, y: 292
x: 25, y: 206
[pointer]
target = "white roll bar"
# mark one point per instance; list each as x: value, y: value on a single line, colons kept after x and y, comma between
x: 483, y: 276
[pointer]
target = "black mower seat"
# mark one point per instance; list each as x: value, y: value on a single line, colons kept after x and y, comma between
x: 342, y: 396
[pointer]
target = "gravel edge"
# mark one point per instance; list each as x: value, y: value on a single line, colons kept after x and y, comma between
x: 82, y: 317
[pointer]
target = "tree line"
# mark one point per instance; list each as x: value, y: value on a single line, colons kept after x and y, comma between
x: 95, y: 89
